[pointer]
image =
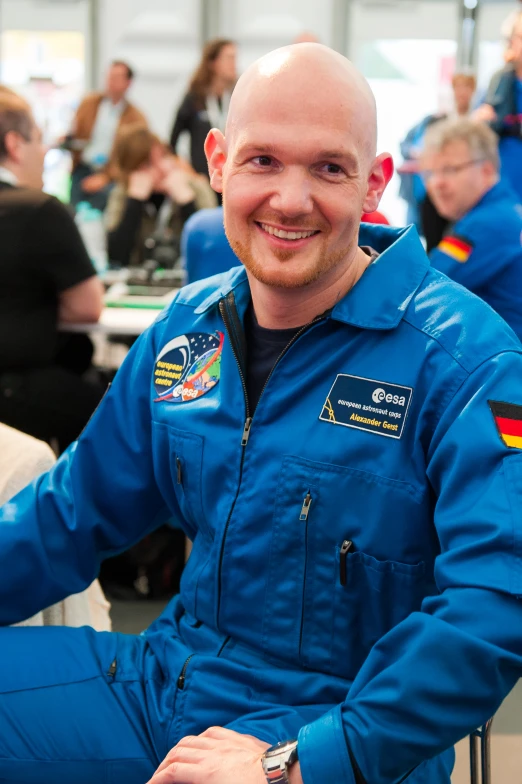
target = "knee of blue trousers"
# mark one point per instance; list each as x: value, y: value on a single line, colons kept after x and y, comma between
x: 61, y: 718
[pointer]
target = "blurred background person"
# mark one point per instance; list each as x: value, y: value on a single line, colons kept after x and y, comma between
x: 205, y: 106
x: 483, y: 249
x: 506, y: 29
x: 47, y: 278
x: 155, y: 194
x: 421, y: 210
x: 97, y: 121
x: 503, y: 109
x: 204, y: 246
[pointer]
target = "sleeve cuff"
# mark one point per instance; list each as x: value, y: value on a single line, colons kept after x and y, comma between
x: 323, y: 753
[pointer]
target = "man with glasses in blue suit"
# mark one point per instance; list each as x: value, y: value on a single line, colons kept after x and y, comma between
x: 482, y: 248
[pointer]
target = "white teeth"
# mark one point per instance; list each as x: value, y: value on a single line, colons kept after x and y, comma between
x: 286, y: 235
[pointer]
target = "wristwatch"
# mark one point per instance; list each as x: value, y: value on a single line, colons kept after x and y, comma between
x: 277, y: 759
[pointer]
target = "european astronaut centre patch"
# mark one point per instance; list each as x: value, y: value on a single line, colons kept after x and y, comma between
x: 188, y: 367
x: 367, y: 404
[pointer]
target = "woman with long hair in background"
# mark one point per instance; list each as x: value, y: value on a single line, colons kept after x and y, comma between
x: 205, y: 105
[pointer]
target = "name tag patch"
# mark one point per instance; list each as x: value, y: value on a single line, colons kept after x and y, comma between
x: 367, y: 404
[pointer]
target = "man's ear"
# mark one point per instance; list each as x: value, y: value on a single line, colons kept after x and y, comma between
x: 381, y: 173
x: 13, y: 144
x: 215, y: 150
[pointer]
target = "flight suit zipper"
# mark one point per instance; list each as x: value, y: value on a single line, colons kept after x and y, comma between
x: 303, y: 518
x: 236, y: 335
x: 182, y: 675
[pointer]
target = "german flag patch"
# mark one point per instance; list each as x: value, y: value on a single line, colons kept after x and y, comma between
x: 508, y: 419
x: 456, y: 247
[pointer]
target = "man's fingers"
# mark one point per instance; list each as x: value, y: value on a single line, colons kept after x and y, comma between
x: 171, y: 756
x: 178, y: 773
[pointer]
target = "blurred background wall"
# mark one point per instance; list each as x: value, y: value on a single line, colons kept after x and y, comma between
x: 54, y: 50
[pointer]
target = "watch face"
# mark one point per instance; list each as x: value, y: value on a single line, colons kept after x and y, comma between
x: 279, y: 748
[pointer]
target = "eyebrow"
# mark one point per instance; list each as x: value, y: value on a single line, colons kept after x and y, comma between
x: 330, y: 155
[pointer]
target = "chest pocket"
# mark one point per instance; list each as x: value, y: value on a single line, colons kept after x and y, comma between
x: 179, y: 461
x: 327, y: 605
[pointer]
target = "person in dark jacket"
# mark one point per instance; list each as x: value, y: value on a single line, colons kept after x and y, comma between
x: 205, y: 105
x: 503, y: 110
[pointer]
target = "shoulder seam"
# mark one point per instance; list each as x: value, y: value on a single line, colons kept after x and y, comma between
x: 423, y: 331
x: 456, y: 358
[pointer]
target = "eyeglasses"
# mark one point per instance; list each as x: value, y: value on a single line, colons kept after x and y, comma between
x: 449, y: 171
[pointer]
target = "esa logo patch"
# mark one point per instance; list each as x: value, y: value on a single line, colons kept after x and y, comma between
x: 188, y: 367
x: 366, y: 404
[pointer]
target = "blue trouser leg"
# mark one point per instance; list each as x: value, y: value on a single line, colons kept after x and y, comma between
x: 64, y: 717
x: 96, y: 708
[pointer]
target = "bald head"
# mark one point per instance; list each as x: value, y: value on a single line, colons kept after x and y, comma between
x: 298, y: 158
x: 307, y: 79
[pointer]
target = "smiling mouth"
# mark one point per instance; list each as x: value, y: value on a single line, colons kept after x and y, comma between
x: 283, y: 234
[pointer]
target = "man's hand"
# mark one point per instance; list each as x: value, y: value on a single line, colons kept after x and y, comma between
x: 95, y: 182
x: 218, y: 756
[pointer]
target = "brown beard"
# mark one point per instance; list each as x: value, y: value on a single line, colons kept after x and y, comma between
x: 325, y: 263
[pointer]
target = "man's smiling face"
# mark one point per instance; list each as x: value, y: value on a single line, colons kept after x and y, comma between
x: 295, y: 175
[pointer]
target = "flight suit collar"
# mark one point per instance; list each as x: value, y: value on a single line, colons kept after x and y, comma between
x: 380, y: 298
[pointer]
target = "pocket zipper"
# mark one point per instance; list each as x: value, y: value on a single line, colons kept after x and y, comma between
x: 178, y: 471
x: 305, y: 509
x: 345, y: 549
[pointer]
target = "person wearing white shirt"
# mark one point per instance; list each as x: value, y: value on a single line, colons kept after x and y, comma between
x: 98, y: 119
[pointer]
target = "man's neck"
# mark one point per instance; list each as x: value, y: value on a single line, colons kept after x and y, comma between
x: 279, y: 308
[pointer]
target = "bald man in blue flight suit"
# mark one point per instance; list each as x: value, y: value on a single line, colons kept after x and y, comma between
x: 342, y: 445
x: 482, y: 249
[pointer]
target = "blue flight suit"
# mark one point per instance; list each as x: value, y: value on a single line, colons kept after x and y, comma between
x: 491, y: 267
x: 204, y: 245
x: 356, y: 570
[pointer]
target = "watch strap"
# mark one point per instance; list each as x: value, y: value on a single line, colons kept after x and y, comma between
x: 282, y: 777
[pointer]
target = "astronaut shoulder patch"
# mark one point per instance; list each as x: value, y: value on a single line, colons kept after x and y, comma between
x: 508, y: 419
x: 367, y: 404
x: 188, y: 367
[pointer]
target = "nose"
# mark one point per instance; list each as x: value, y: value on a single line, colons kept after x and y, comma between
x: 292, y: 195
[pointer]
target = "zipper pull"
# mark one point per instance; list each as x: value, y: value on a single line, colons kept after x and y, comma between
x: 305, y: 509
x: 345, y: 549
x: 112, y: 669
x: 246, y: 431
x: 178, y: 471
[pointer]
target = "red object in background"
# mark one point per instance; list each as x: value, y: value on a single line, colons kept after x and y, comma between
x: 375, y: 217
